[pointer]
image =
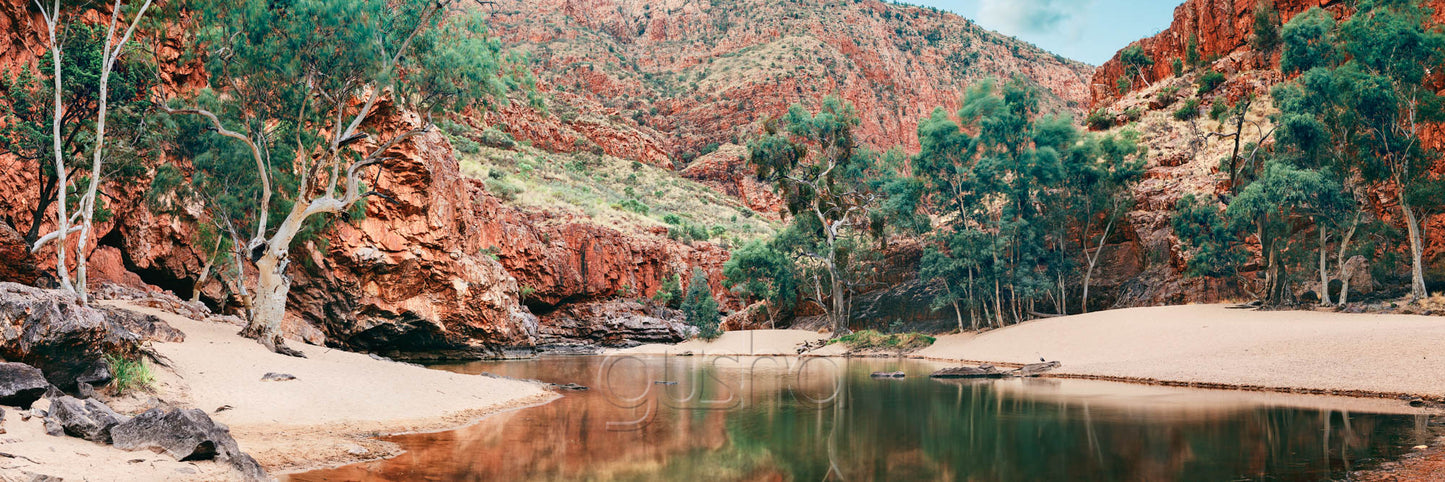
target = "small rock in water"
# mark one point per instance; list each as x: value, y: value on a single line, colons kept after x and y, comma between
x: 277, y: 377
x: 686, y: 353
x: 664, y: 382
x: 570, y: 386
x: 897, y: 374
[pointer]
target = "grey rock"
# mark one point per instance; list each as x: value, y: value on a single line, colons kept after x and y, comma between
x: 88, y: 419
x: 21, y: 384
x: 185, y: 434
x: 277, y: 377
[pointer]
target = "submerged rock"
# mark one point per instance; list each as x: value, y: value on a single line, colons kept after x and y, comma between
x: 185, y: 434
x: 21, y: 384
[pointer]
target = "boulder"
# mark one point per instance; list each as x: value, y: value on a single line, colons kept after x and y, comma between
x: 21, y: 384
x: 149, y: 327
x: 88, y: 419
x: 49, y: 330
x: 185, y: 434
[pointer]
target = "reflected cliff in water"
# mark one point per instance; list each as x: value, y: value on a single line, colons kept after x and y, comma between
x: 785, y: 419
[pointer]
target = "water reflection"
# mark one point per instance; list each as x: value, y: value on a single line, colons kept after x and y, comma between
x: 785, y: 419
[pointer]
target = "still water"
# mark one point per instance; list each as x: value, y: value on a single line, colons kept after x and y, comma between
x: 706, y: 418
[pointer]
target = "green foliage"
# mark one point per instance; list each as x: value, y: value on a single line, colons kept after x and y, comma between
x: 1135, y: 60
x: 287, y: 76
x: 632, y: 205
x: 1266, y: 35
x: 1167, y: 95
x: 1219, y: 111
x: 1309, y: 41
x: 874, y: 340
x: 1191, y: 52
x: 700, y: 308
x: 1099, y: 119
x: 493, y: 137
x: 759, y: 272
x: 1006, y: 179
x: 128, y: 375
x: 1177, y: 67
x: 1203, y: 232
x: 1209, y: 81
x: 670, y: 293
x: 504, y: 189
x: 1188, y: 111
x: 525, y: 292
x: 26, y: 116
x: 1356, y: 110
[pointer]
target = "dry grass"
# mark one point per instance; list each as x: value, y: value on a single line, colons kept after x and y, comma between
x: 623, y: 194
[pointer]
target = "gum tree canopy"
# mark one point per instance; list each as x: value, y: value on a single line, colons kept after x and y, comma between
x: 293, y: 84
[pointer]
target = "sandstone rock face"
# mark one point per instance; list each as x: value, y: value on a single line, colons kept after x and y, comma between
x: 727, y: 170
x: 579, y: 326
x: 185, y: 434
x: 1223, y: 28
x: 650, y: 77
x: 16, y: 264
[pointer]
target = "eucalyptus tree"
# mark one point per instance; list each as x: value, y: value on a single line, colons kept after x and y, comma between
x: 1095, y: 194
x: 1276, y: 209
x: 760, y: 272
x: 816, y: 166
x: 1371, y: 71
x: 299, y: 91
x: 92, y: 63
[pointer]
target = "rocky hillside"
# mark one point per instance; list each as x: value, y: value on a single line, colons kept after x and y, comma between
x: 667, y: 80
x: 1185, y: 155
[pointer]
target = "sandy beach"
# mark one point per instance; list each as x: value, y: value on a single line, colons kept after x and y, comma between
x: 328, y: 415
x: 1192, y: 345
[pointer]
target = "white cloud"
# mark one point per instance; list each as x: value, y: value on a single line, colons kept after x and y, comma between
x: 1016, y: 17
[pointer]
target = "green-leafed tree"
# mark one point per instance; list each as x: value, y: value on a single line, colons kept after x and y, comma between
x: 759, y: 272
x: 1362, y: 104
x: 59, y: 110
x: 1211, y: 248
x: 1094, y: 194
x: 290, y: 114
x: 818, y: 169
x: 1265, y: 37
x: 1136, y: 63
x: 700, y: 308
x: 1277, y: 209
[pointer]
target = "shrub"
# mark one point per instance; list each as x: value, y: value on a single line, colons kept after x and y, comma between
x: 632, y: 205
x: 491, y: 137
x: 1188, y: 111
x: 872, y: 339
x: 526, y: 292
x: 128, y: 374
x: 700, y: 308
x: 1099, y: 120
x: 1209, y: 81
x: 1178, y: 67
x: 670, y: 293
x: 1218, y: 111
x: 1133, y: 114
x: 1166, y: 96
x: 504, y: 189
x: 465, y: 145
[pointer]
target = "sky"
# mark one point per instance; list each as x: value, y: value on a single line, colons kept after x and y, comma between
x: 1089, y: 31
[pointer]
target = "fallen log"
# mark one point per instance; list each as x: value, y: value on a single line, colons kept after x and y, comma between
x: 981, y: 371
x: 1034, y: 369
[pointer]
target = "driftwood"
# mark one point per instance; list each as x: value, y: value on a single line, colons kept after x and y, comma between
x: 981, y: 371
x: 897, y: 374
x: 990, y: 371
